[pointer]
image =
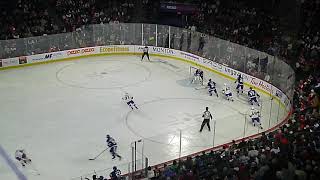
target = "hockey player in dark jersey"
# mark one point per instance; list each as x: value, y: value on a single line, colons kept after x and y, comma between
x: 212, y: 87
x: 252, y: 94
x: 113, y: 147
x: 198, y: 76
x: 115, y: 174
x: 239, y: 82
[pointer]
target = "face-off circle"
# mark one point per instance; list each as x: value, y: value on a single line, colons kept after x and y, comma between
x: 181, y: 114
x: 102, y: 74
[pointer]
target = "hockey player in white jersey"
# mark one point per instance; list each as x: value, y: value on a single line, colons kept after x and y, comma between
x: 113, y: 147
x: 212, y: 87
x: 129, y: 101
x: 198, y: 76
x: 21, y: 156
x: 226, y: 90
x: 255, y: 117
x: 239, y: 82
x: 252, y: 94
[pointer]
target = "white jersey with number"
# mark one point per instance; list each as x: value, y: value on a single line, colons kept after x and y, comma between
x: 226, y: 89
x: 255, y: 113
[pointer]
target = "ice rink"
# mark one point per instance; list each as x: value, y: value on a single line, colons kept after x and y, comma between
x: 61, y: 112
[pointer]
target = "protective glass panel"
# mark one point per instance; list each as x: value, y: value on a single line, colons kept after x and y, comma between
x: 163, y: 36
x: 149, y: 34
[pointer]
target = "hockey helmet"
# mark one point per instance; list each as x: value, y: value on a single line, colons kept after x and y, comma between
x: 21, y: 150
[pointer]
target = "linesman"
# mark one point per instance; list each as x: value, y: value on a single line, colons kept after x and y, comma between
x: 206, y: 119
x: 145, y: 53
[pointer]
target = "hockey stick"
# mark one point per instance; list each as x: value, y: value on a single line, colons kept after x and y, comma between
x: 34, y: 168
x: 98, y: 155
x: 201, y: 87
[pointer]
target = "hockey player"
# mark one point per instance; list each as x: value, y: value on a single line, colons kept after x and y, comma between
x: 239, y: 82
x: 226, y: 90
x: 145, y: 53
x: 198, y: 75
x: 116, y: 173
x: 252, y: 94
x: 113, y: 147
x: 212, y: 87
x: 129, y: 100
x: 255, y: 117
x: 21, y: 156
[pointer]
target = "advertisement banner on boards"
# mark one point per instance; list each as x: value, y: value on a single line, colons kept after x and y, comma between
x: 10, y: 62
x: 261, y: 84
x: 0, y: 62
x: 44, y: 57
x: 82, y: 51
x: 23, y: 60
x: 161, y: 50
x: 157, y: 50
x: 189, y: 56
x: 114, y: 49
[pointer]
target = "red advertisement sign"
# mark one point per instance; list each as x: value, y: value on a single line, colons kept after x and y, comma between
x: 261, y: 84
x: 80, y: 51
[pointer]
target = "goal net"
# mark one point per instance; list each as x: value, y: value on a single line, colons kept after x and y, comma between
x: 192, y: 72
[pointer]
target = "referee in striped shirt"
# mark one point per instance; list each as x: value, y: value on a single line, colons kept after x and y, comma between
x: 206, y: 119
x: 145, y: 53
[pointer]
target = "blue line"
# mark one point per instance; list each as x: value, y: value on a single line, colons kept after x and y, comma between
x: 11, y: 164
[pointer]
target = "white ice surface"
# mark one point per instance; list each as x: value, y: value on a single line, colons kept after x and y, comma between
x: 61, y: 112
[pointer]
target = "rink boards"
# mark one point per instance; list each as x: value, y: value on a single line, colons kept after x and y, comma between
x: 136, y: 51
x: 210, y: 65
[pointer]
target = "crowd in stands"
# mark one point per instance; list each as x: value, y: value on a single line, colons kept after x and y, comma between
x: 76, y: 13
x: 30, y: 18
x: 237, y: 22
x: 27, y: 18
x: 258, y: 29
x: 309, y: 36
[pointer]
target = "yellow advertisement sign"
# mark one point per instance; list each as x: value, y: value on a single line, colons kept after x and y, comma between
x: 113, y: 49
